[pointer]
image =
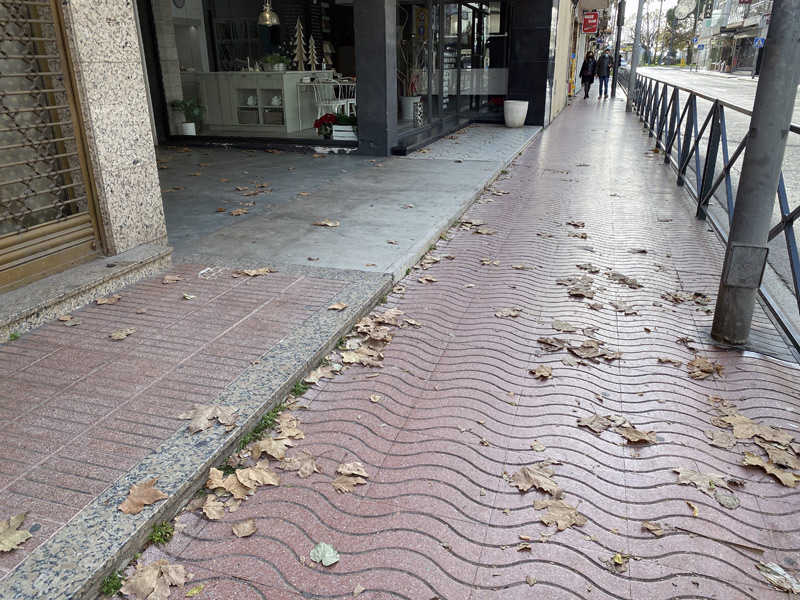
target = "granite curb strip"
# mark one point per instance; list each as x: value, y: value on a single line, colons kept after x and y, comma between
x: 72, y: 564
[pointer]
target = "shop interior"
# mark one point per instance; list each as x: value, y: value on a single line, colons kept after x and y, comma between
x: 270, y: 69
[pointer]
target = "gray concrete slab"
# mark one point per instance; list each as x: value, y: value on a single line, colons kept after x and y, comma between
x: 366, y: 197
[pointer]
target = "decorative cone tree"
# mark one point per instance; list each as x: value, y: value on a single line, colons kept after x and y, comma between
x: 299, y: 45
x: 312, y: 53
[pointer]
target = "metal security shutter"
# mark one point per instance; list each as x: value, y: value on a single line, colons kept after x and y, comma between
x: 46, y: 206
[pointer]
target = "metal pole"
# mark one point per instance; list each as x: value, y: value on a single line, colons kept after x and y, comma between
x: 746, y: 254
x: 637, y: 38
x: 671, y: 36
x: 620, y: 22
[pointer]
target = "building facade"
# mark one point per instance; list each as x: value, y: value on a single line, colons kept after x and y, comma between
x: 89, y: 89
x: 729, y: 33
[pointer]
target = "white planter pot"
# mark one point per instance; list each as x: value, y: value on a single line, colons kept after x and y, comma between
x: 188, y: 129
x: 344, y: 133
x: 515, y: 112
x: 407, y: 106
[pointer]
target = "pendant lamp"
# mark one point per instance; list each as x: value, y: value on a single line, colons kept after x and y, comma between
x: 268, y: 16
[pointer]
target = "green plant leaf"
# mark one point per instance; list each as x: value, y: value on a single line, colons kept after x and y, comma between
x: 324, y: 553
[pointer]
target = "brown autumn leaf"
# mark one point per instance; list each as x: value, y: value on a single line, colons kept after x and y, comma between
x: 427, y: 279
x: 260, y: 474
x: 563, y: 326
x: 778, y: 577
x: 787, y: 478
x: 171, y: 279
x: 580, y: 235
x: 340, y: 306
x: 537, y: 475
x: 576, y: 224
x: 353, y: 468
x: 366, y: 356
x: 11, y: 536
x: 487, y: 262
x: 744, y: 428
x: 213, y: 508
x: 319, y: 155
x: 599, y: 423
x: 326, y: 223
x: 287, y: 426
x: 530, y: 579
x: 321, y: 372
x: 202, y: 417
x: 711, y: 484
x: 346, y: 483
x: 140, y: 495
x: 238, y: 212
x: 624, y: 308
x: 154, y: 581
x: 721, y: 439
x: 553, y: 344
x: 276, y: 448
x: 559, y: 513
x: 113, y: 299
x: 374, y: 398
x: 538, y: 446
x: 654, y: 528
x: 635, y: 436
x: 244, y: 528
x: 779, y: 454
x: 618, y: 563
x: 484, y: 231
x: 700, y: 368
x: 672, y: 361
x: 304, y: 463
x: 542, y: 372
x: 693, y: 506
x: 121, y: 334
x: 508, y: 312
x: 221, y: 209
x: 523, y: 267
x: 253, y: 272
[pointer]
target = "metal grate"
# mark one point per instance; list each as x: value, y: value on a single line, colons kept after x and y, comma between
x: 44, y: 201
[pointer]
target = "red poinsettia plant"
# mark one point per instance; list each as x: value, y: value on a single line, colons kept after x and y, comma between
x: 324, y: 125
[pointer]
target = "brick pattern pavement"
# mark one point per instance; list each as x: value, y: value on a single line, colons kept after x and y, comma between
x: 437, y: 519
x: 78, y: 409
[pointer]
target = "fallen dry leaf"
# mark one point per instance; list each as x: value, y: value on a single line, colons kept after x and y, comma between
x: 508, y: 312
x: 121, y: 334
x: 700, y: 368
x: 693, y: 506
x: 779, y: 454
x: 238, y: 212
x: 153, y: 582
x: 522, y: 267
x: 711, y: 484
x: 563, y: 326
x: 599, y: 423
x: 778, y: 577
x: 559, y: 513
x: 787, y: 478
x: 672, y: 361
x: 618, y: 563
x: 253, y: 272
x: 635, y: 436
x: 537, y: 475
x: 113, y: 299
x: 721, y: 439
x: 576, y: 224
x: 653, y: 528
x: 11, y: 536
x: 140, y: 495
x: 542, y: 372
x: 322, y: 372
x: 484, y: 231
x: 260, y: 474
x: 346, y: 483
x: 213, y: 508
x: 319, y: 155
x: 357, y: 590
x: 195, y: 590
x: 744, y: 428
x: 287, y: 426
x: 530, y: 580
x: 276, y: 448
x: 171, y: 279
x: 538, y: 446
x: 304, y: 463
x: 326, y: 223
x: 427, y: 279
x: 244, y: 528
x: 374, y: 398
x: 340, y: 306
x: 202, y: 417
x: 353, y: 468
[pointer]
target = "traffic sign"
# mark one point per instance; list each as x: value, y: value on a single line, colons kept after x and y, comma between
x: 694, y: 40
x: 701, y: 46
x: 759, y: 42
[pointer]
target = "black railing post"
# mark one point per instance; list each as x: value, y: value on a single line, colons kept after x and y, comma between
x: 683, y: 162
x: 710, y: 165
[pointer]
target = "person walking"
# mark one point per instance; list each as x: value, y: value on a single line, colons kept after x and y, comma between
x: 587, y: 73
x: 603, y: 70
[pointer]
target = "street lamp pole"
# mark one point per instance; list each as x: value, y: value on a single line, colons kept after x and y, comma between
x: 637, y: 39
x: 746, y: 254
x: 620, y: 22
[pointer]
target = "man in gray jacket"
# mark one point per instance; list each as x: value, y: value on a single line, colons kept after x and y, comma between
x: 603, y: 70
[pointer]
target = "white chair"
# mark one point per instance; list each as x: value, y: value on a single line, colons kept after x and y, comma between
x: 327, y: 94
x: 348, y: 92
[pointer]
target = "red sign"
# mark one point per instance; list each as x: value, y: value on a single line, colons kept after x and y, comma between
x: 590, y: 21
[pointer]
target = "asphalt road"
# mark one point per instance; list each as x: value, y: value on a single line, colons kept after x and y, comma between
x: 741, y: 90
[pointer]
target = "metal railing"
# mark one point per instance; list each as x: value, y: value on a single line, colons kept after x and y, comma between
x: 698, y: 147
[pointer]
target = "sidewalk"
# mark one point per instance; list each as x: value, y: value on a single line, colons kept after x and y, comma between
x: 86, y: 416
x: 458, y: 414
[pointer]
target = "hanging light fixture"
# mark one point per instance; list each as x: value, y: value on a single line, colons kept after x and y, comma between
x: 268, y: 16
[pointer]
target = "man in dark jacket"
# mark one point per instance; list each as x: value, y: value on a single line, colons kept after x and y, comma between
x: 603, y: 70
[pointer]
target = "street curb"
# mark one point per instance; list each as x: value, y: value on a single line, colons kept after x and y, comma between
x: 100, y: 539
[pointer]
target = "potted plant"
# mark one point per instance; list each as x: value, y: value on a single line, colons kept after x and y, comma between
x: 409, y: 76
x: 275, y: 62
x: 337, y: 127
x: 192, y: 114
